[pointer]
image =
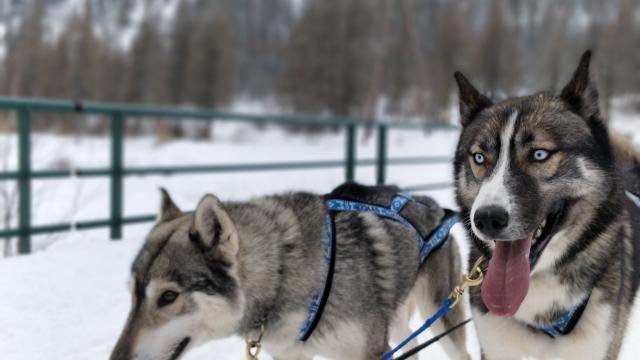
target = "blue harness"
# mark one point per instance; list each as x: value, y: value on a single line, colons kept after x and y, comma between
x: 427, y: 246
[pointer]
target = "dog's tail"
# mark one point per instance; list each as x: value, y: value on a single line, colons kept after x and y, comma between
x: 627, y: 162
x: 627, y: 155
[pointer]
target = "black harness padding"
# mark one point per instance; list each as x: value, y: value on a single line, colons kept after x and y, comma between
x: 423, y: 213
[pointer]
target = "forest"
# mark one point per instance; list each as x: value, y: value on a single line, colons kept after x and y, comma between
x: 346, y: 58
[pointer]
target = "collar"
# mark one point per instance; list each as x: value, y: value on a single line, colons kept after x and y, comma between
x: 564, y: 324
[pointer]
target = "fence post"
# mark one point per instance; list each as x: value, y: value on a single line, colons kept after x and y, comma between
x: 117, y: 134
x: 381, y: 160
x: 350, y: 161
x: 24, y: 180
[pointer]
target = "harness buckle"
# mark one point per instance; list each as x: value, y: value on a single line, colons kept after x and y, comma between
x: 470, y: 279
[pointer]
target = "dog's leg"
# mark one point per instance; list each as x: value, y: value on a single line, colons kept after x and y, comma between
x: 291, y: 357
x: 293, y: 353
x: 400, y: 329
x: 439, y: 275
x: 376, y: 352
x: 453, y: 344
x: 377, y: 343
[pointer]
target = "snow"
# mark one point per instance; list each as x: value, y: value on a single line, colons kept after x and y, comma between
x: 69, y: 300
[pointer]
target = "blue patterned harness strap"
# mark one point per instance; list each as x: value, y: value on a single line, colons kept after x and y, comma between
x: 433, y: 241
x: 566, y: 322
x: 319, y: 300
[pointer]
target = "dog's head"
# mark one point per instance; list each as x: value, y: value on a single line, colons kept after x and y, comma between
x: 523, y: 168
x: 184, y: 284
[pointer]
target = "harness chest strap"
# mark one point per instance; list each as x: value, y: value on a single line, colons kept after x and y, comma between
x: 318, y: 301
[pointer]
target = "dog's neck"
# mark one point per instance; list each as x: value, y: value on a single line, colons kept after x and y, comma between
x: 260, y: 268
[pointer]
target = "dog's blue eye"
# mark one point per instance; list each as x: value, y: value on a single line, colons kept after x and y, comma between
x: 540, y: 155
x: 167, y: 298
x: 478, y: 158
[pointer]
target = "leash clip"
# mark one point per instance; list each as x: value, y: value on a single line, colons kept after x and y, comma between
x: 470, y: 279
x: 253, y: 346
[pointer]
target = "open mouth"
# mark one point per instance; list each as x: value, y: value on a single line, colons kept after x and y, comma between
x: 545, y: 231
x: 506, y: 282
x: 179, y: 349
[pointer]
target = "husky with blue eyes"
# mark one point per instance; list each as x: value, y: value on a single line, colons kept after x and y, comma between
x: 550, y: 198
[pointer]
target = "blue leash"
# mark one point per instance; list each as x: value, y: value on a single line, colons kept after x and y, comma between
x: 473, y: 278
x: 446, y: 306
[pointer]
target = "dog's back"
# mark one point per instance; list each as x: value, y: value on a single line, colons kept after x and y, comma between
x: 401, y: 281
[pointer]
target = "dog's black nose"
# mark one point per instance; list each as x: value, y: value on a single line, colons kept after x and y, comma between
x: 491, y: 220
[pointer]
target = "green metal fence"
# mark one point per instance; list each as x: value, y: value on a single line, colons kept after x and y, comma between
x: 24, y: 107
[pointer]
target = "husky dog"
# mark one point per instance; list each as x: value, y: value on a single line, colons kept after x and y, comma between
x: 249, y: 267
x: 547, y: 197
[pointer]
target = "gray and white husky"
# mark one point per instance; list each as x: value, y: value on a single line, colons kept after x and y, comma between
x: 235, y: 268
x: 547, y: 196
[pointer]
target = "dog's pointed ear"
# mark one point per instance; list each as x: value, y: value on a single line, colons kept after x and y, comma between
x: 168, y: 209
x: 471, y: 100
x: 213, y: 228
x: 581, y: 93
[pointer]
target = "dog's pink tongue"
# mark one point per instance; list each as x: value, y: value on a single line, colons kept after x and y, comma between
x: 506, y: 282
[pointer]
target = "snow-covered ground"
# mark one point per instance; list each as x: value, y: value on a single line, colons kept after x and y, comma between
x: 68, y: 300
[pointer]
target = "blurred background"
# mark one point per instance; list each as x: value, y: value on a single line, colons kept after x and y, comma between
x: 331, y: 60
x: 360, y: 58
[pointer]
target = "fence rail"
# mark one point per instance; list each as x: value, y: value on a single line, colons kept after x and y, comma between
x: 24, y: 175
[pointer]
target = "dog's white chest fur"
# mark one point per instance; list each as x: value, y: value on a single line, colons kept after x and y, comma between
x: 345, y: 341
x: 511, y: 338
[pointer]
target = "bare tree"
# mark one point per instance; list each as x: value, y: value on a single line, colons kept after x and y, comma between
x: 329, y: 58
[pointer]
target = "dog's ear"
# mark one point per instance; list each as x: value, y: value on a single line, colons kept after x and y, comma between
x: 581, y: 93
x: 168, y: 209
x: 471, y: 100
x: 213, y: 228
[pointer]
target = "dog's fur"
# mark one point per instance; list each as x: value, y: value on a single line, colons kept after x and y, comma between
x: 594, y: 248
x: 235, y: 266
